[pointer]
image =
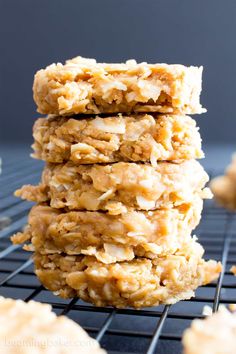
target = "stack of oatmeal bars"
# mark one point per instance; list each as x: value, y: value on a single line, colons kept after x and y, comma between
x: 121, y: 191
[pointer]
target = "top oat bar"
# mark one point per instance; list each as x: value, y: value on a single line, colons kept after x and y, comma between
x: 83, y: 86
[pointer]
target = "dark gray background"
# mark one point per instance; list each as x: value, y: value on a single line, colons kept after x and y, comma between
x: 37, y: 33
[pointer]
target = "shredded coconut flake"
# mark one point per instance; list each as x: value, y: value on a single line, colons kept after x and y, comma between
x: 144, y: 203
x: 116, y: 128
x: 106, y: 195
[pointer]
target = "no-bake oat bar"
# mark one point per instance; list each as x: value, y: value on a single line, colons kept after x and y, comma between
x: 214, y: 335
x: 224, y: 187
x: 84, y: 86
x: 140, y: 137
x: 32, y: 327
x: 138, y: 283
x: 233, y: 269
x: 116, y: 187
x: 110, y: 238
x: 224, y: 190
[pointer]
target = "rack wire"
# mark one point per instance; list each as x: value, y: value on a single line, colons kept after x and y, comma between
x: 153, y: 330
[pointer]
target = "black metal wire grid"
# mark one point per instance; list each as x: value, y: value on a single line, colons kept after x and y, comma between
x: 152, y: 330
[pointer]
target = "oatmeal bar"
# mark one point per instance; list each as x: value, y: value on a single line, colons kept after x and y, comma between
x: 224, y: 187
x: 214, y: 335
x: 84, y: 86
x: 137, y: 283
x: 224, y: 190
x: 110, y: 238
x: 115, y: 187
x: 140, y: 137
x: 233, y: 269
x: 231, y: 169
x: 32, y: 327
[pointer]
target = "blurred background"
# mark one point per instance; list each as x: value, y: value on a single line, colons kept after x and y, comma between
x: 37, y: 33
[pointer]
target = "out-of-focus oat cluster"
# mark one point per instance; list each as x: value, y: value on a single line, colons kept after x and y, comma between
x: 32, y: 327
x: 216, y: 334
x: 224, y: 187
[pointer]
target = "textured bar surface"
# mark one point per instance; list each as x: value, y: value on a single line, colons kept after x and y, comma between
x: 119, y: 186
x: 140, y: 137
x: 84, y: 86
x: 138, y: 283
x: 110, y: 238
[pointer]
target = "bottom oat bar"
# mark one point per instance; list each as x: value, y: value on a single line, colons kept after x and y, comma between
x: 138, y: 283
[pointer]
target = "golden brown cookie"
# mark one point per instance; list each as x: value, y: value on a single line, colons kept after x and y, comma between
x: 137, y: 283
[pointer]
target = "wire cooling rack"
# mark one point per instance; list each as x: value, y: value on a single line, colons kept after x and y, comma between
x: 153, y: 330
